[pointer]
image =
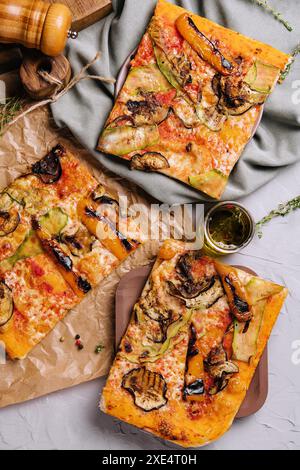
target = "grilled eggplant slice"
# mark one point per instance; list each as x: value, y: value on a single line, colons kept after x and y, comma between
x: 147, y: 110
x: 6, y: 304
x: 9, y: 221
x: 126, y: 139
x: 236, y: 97
x: 190, y: 290
x: 202, y: 45
x: 49, y: 168
x: 207, y: 297
x: 149, y: 161
x: 194, y: 389
x: 147, y: 388
x: 219, y: 368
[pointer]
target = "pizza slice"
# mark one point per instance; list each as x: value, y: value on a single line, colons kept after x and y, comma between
x: 191, y: 348
x: 59, y: 237
x: 191, y: 100
x: 34, y: 297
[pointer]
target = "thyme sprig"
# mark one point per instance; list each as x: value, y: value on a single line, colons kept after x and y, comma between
x: 281, y: 211
x: 99, y: 348
x: 287, y: 69
x: 8, y: 111
x: 278, y: 16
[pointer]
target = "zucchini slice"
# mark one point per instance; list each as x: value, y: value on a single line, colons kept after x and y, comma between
x: 185, y: 111
x: 262, y: 77
x: 126, y: 139
x: 212, y: 182
x: 258, y: 289
x: 148, y: 78
x: 244, y: 343
x: 28, y: 249
x: 211, y: 117
x: 6, y: 304
x: 54, y: 221
x: 147, y: 110
x: 166, y: 68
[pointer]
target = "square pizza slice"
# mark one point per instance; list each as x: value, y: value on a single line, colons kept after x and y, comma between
x: 34, y: 297
x: 191, y: 348
x: 192, y: 98
x: 59, y: 237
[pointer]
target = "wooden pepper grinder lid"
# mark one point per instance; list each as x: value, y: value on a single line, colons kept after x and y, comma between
x: 36, y: 24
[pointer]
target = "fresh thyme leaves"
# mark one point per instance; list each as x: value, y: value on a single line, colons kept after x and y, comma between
x: 8, y: 111
x: 278, y: 16
x: 99, y: 348
x: 282, y: 210
x: 287, y: 69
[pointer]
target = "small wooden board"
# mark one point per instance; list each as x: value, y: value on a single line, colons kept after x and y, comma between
x: 86, y: 12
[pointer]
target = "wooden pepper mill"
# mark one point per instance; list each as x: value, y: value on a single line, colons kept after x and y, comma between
x: 36, y: 24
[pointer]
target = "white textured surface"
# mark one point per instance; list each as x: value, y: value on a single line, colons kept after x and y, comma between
x: 70, y: 419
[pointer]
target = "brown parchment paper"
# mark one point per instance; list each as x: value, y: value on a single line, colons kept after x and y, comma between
x: 53, y: 365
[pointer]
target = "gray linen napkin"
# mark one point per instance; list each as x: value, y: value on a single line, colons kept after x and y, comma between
x: 85, y: 109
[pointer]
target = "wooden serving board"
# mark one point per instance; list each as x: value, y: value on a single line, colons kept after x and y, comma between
x: 86, y: 12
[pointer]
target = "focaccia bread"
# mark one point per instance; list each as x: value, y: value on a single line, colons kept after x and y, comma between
x: 59, y: 237
x: 192, y: 346
x: 191, y: 100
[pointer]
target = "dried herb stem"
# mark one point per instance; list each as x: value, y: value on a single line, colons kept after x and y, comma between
x: 8, y: 111
x: 278, y: 16
x: 287, y: 69
x: 281, y: 211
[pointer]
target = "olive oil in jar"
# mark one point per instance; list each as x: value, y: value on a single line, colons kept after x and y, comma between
x: 229, y: 227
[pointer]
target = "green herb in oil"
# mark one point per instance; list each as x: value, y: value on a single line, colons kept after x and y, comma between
x: 281, y: 211
x: 228, y: 227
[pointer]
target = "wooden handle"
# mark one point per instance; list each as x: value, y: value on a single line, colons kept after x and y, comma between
x: 35, y: 24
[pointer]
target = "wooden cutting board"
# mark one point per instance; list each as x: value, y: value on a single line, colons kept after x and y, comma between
x: 86, y: 12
